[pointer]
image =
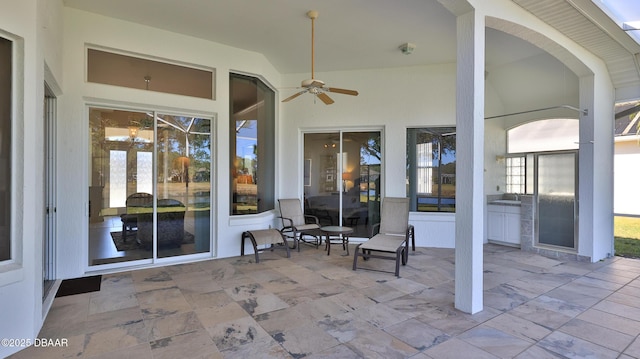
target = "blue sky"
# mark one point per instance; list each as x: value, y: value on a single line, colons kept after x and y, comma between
x: 623, y: 11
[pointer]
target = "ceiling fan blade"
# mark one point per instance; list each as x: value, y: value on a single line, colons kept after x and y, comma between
x: 294, y: 96
x: 342, y: 91
x: 325, y: 98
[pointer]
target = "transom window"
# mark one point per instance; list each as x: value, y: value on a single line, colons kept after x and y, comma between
x: 110, y: 68
x: 544, y: 135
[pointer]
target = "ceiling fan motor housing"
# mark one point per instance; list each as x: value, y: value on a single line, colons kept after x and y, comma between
x: 312, y: 83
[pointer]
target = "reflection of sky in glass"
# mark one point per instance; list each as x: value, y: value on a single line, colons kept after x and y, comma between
x: 246, y: 138
x: 369, y: 159
x: 366, y: 156
x: 448, y: 157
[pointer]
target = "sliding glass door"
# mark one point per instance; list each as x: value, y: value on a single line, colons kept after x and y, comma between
x: 150, y: 185
x: 342, y: 178
x: 183, y: 186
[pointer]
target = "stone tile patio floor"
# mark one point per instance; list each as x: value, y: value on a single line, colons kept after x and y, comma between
x: 314, y: 306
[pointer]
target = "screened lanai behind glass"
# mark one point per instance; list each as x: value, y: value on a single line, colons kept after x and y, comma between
x: 150, y: 192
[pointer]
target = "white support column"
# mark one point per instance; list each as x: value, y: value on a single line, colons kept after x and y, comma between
x: 469, y: 162
x: 595, y: 168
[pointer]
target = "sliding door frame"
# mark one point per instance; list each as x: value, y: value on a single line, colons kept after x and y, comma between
x: 213, y: 197
x: 340, y: 181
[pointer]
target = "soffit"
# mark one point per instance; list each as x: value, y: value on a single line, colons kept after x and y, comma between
x: 586, y: 24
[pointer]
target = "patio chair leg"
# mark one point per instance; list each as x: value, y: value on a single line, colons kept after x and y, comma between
x: 263, y: 236
x: 286, y: 246
x: 355, y: 257
x: 405, y: 255
x: 412, y: 235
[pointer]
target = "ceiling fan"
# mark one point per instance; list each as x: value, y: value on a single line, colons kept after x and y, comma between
x: 314, y: 86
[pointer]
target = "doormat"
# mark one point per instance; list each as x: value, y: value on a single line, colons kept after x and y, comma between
x: 79, y: 286
x: 132, y: 244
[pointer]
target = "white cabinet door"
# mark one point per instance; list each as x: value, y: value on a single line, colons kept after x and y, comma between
x: 512, y: 228
x: 503, y: 224
x: 495, y: 224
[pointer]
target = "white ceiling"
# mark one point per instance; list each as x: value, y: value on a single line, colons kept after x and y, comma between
x: 352, y: 34
x: 367, y: 34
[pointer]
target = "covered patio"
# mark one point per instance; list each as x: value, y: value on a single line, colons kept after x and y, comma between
x: 313, y: 305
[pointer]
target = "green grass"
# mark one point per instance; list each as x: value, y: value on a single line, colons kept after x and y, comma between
x: 626, y: 231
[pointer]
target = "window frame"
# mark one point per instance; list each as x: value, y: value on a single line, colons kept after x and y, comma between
x: 509, y: 175
x: 157, y: 255
x: 6, y: 140
x: 412, y: 171
x: 148, y: 73
x: 11, y: 270
x: 264, y: 143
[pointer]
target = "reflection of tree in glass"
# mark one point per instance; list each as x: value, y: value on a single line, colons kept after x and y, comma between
x: 200, y: 149
x: 370, y: 148
x: 185, y: 137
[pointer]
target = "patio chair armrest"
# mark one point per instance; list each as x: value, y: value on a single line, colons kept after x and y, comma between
x: 285, y: 225
x: 375, y: 229
x: 311, y: 217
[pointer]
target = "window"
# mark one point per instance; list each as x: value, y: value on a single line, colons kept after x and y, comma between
x: 525, y: 140
x: 6, y: 71
x: 515, y: 167
x: 252, y: 145
x: 554, y: 134
x: 431, y: 169
x: 138, y: 73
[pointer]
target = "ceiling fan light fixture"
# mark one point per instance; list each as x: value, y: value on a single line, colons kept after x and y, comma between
x: 407, y: 48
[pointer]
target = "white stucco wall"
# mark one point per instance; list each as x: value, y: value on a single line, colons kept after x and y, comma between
x: 82, y: 28
x: 626, y: 163
x: 22, y: 311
